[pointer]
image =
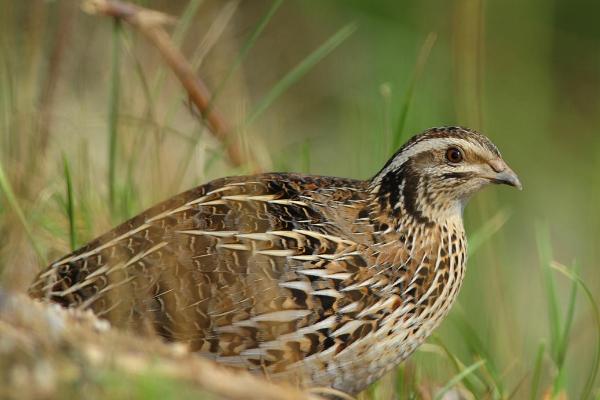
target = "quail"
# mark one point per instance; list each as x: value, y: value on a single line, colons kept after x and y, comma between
x: 322, y: 281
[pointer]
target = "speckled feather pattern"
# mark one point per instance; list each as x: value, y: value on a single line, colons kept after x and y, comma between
x: 322, y: 281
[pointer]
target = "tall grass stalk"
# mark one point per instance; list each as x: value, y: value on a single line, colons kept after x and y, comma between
x: 537, y: 371
x: 13, y: 203
x: 545, y: 254
x: 561, y: 333
x: 408, y: 98
x: 472, y: 382
x: 70, y: 203
x: 458, y: 378
x: 247, y: 46
x: 571, y: 273
x: 113, y: 113
x: 478, y: 349
x: 300, y: 70
x: 183, y: 25
x: 487, y: 230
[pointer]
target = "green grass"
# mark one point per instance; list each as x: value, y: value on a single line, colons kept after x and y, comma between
x: 527, y: 324
x: 458, y: 378
x: 399, y: 133
x: 70, y: 204
x: 578, y: 283
x: 298, y: 71
x: 15, y: 207
x: 113, y: 114
x: 246, y: 47
x: 148, y: 386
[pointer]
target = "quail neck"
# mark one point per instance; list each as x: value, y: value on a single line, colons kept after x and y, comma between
x: 316, y: 280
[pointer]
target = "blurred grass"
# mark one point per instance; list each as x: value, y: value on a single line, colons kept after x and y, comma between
x: 298, y: 71
x: 399, y: 134
x: 146, y: 387
x: 129, y: 140
x: 113, y: 116
x: 12, y: 201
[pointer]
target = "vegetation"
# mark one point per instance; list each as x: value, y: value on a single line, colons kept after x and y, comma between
x: 94, y: 128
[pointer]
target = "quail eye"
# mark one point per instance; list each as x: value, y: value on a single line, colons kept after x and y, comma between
x: 454, y: 155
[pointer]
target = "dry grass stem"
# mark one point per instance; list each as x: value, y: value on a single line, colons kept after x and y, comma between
x: 152, y: 25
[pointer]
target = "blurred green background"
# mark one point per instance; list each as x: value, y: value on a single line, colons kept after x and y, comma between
x: 80, y: 97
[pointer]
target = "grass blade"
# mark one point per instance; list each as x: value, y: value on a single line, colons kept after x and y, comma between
x: 421, y: 61
x: 458, y: 377
x: 478, y: 350
x: 70, y: 203
x: 513, y: 393
x: 13, y: 203
x: 487, y: 230
x: 113, y: 113
x: 185, y: 21
x: 183, y: 25
x: 537, y: 371
x: 564, y: 339
x: 459, y: 366
x: 214, y: 33
x: 587, y: 391
x: 249, y: 43
x: 545, y: 253
x: 300, y: 70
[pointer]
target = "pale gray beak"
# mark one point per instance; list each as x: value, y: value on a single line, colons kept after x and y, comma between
x: 504, y: 175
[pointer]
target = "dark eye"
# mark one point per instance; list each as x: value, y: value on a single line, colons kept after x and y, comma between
x: 454, y: 155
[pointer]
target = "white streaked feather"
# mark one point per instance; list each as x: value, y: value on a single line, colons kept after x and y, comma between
x: 141, y: 255
x: 277, y: 253
x: 352, y: 307
x: 217, y: 202
x: 164, y: 214
x: 432, y: 287
x: 340, y: 276
x: 331, y: 238
x: 290, y: 234
x: 281, y: 316
x: 348, y: 327
x: 210, y: 233
x: 106, y: 245
x: 199, y: 200
x: 311, y: 257
x: 256, y: 236
x: 219, y: 190
x: 245, y: 197
x: 288, y: 202
x: 327, y: 323
x: 327, y: 292
x: 312, y: 272
x: 234, y: 246
x: 358, y: 285
x: 300, y: 285
x: 379, y: 305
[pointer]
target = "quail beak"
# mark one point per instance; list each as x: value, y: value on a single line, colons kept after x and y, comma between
x: 502, y: 174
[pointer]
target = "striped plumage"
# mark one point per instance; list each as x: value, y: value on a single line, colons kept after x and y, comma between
x: 318, y: 280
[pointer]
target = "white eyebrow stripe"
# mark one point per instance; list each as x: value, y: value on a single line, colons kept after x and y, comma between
x: 419, y: 147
